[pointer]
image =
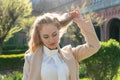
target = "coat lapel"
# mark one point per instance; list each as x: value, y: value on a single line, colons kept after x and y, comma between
x: 70, y: 61
x: 35, y: 70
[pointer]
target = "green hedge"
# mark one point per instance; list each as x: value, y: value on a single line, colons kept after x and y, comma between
x: 19, y: 51
x: 105, y: 63
x: 8, y: 49
x: 12, y: 47
x: 11, y: 62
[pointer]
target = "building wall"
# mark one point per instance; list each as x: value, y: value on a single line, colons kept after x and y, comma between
x: 108, y: 9
x: 108, y: 14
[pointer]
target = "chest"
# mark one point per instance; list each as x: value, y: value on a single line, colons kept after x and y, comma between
x: 54, y: 68
x: 36, y: 65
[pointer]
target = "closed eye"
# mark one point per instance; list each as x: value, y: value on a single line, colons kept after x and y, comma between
x: 45, y: 36
x: 55, y: 34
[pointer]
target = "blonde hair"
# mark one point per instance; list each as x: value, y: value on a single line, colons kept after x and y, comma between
x: 59, y: 21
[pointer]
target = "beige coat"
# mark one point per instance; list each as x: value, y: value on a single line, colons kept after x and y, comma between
x: 32, y: 65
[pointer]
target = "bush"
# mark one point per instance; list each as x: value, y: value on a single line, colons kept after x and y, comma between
x: 82, y: 71
x: 11, y: 62
x: 6, y: 52
x: 13, y: 47
x: 104, y: 64
x: 14, y: 76
x: 8, y: 49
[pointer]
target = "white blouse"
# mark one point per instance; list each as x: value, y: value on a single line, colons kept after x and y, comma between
x: 53, y: 67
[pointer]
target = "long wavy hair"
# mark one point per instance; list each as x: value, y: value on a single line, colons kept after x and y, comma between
x: 60, y: 21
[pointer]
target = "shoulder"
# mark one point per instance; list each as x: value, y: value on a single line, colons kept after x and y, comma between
x: 28, y: 55
x: 67, y: 51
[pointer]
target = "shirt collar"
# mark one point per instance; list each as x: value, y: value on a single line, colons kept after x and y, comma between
x: 49, y: 52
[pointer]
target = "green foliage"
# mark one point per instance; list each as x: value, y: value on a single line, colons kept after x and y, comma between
x: 13, y: 76
x: 11, y: 62
x: 11, y: 14
x: 76, y: 33
x: 16, y: 51
x: 12, y: 47
x: 105, y: 63
x: 26, y: 23
x: 82, y: 71
x: 73, y: 36
x: 8, y: 49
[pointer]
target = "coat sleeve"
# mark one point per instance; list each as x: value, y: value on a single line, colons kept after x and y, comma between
x: 92, y: 44
x: 26, y: 67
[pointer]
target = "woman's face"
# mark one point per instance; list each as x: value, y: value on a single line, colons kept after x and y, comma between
x: 49, y: 35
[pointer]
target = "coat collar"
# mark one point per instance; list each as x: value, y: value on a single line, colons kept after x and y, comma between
x: 49, y: 52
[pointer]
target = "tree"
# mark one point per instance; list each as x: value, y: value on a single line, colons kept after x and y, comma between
x: 72, y: 36
x: 12, y: 13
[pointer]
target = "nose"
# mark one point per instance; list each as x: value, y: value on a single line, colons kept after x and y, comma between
x: 51, y: 40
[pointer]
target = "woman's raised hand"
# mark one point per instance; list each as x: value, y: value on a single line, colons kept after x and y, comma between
x: 78, y: 18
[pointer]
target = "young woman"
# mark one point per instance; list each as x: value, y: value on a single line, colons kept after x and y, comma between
x: 45, y: 60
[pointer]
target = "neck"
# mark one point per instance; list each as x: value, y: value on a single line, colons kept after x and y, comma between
x: 50, y: 48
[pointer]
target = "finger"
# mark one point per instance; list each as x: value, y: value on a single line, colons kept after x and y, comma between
x: 75, y: 13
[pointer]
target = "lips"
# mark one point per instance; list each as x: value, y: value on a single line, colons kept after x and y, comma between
x: 52, y: 44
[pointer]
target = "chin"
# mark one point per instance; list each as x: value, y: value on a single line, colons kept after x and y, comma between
x: 52, y: 47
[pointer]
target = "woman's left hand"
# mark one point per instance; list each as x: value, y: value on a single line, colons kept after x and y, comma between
x: 78, y: 18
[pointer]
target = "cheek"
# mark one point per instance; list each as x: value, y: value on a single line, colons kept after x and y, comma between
x: 45, y: 41
x: 57, y: 39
